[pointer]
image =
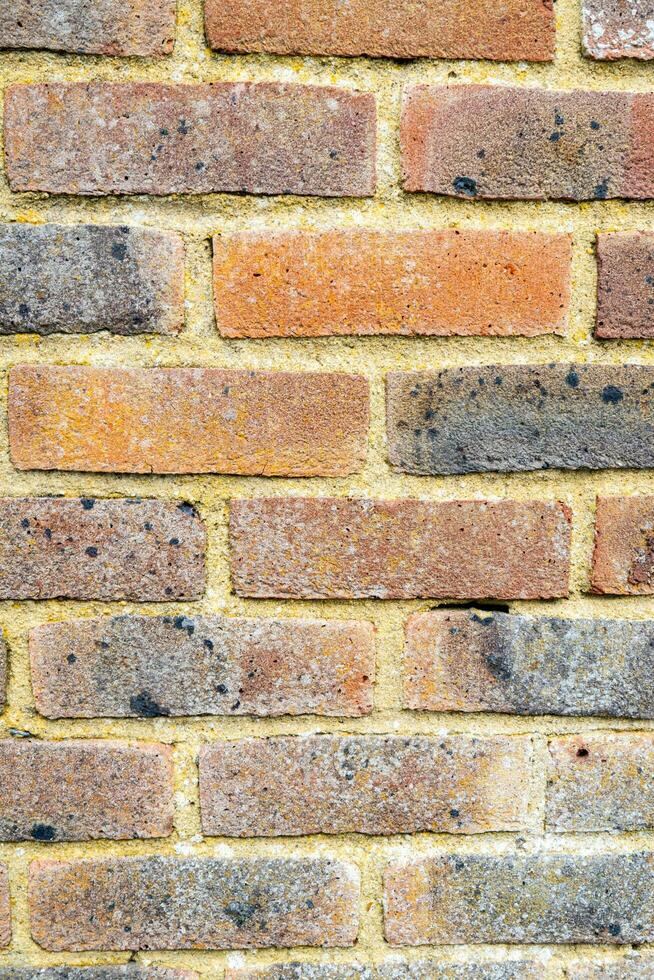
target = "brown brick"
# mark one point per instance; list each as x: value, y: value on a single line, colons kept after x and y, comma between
x: 147, y: 550
x: 192, y: 903
x: 84, y: 790
x: 399, y: 549
x: 113, y: 27
x: 149, y: 666
x: 187, y: 420
x: 132, y: 971
x: 392, y: 970
x: 467, y: 660
x: 525, y: 143
x: 625, y: 287
x: 510, y: 418
x: 623, y: 559
x: 150, y: 138
x: 369, y: 784
x: 601, y: 782
x: 618, y: 29
x: 435, y: 283
x: 452, y: 899
x: 5, y: 907
x: 85, y: 278
x: 519, y: 30
x: 625, y: 968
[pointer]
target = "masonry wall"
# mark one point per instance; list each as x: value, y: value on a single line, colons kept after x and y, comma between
x: 327, y: 517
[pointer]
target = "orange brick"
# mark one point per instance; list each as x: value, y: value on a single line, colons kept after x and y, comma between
x: 438, y: 283
x: 187, y: 420
x: 623, y: 559
x: 514, y: 30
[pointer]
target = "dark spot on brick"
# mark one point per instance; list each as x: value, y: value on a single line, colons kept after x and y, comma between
x: 240, y: 912
x: 209, y: 644
x: 24, y: 310
x: 615, y: 929
x: 582, y: 753
x: 25, y: 523
x: 602, y: 189
x: 119, y: 251
x: 222, y: 689
x: 146, y: 707
x: 454, y: 813
x: 71, y: 658
x: 92, y: 552
x: 183, y: 128
x: 187, y: 508
x: 572, y: 379
x: 465, y: 185
x: 555, y: 137
x: 594, y: 124
x: 88, y: 503
x: 174, y: 542
x: 481, y: 154
x: 43, y: 831
x: 611, y: 395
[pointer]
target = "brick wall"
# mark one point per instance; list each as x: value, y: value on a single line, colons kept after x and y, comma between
x: 326, y: 497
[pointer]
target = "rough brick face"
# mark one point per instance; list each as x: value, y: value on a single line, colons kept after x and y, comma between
x: 403, y: 549
x: 520, y: 30
x: 436, y: 283
x: 5, y: 907
x: 3, y: 672
x: 601, y: 782
x: 56, y: 279
x: 623, y: 559
x: 186, y: 420
x: 112, y: 27
x: 452, y: 899
x: 512, y: 418
x: 193, y: 903
x: 133, y: 971
x: 625, y: 286
x: 391, y: 970
x: 74, y: 790
x: 497, y: 142
x: 368, y: 785
x: 146, y: 138
x: 479, y: 661
x: 150, y: 666
x: 618, y: 29
x: 625, y: 968
x: 148, y: 550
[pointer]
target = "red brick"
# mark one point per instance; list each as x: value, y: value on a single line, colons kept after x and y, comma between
x: 112, y: 27
x: 147, y: 550
x: 623, y: 558
x: 436, y: 283
x: 454, y: 899
x: 625, y: 285
x: 517, y: 30
x: 618, y: 29
x: 150, y: 138
x: 84, y: 790
x: 399, y: 549
x: 152, y: 666
x: 525, y: 143
x: 192, y: 903
x: 187, y: 420
x: 368, y: 784
x: 5, y: 907
x: 601, y: 782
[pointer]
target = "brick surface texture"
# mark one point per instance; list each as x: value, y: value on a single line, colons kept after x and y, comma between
x: 516, y: 31
x: 431, y: 283
x: 326, y: 500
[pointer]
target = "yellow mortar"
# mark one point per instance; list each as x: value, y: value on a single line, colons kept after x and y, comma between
x: 197, y: 218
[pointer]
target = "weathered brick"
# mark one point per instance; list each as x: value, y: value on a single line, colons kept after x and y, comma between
x: 392, y: 970
x: 5, y: 907
x: 519, y: 30
x: 112, y: 27
x: 452, y: 899
x: 132, y: 971
x: 187, y: 420
x: 618, y: 29
x: 148, y: 550
x: 623, y: 558
x: 525, y: 143
x: 369, y: 784
x: 85, y: 278
x: 150, y: 138
x: 192, y: 903
x: 4, y: 672
x: 509, y: 418
x: 601, y: 782
x: 84, y: 790
x: 478, y: 661
x: 149, y: 666
x: 399, y: 549
x: 625, y: 285
x: 625, y: 968
x: 436, y: 283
